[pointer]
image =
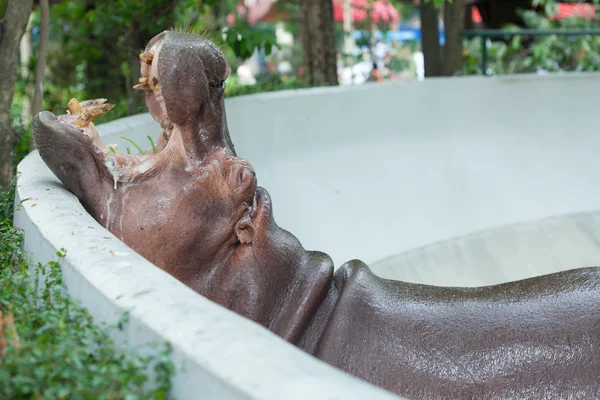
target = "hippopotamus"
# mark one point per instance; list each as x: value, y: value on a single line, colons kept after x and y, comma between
x: 193, y: 208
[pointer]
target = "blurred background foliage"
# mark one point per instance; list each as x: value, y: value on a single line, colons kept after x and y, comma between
x: 542, y: 54
x: 94, y: 46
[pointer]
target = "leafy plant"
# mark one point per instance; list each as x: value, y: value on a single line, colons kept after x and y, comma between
x: 50, y: 347
x: 438, y: 3
x: 545, y: 53
x: 266, y: 83
x: 398, y: 64
x: 244, y: 39
x: 94, y: 46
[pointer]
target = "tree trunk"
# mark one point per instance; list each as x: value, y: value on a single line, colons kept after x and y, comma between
x: 40, y: 69
x: 430, y: 42
x: 12, y: 28
x: 446, y: 60
x: 319, y: 42
x: 468, y: 23
x: 454, y: 20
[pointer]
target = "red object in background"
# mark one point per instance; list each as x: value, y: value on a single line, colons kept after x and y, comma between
x: 565, y: 10
x: 580, y: 10
x: 381, y: 11
x: 260, y: 10
x: 476, y: 16
x: 359, y: 10
x: 384, y: 11
x: 253, y: 10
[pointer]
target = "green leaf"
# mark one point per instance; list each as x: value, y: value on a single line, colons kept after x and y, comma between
x: 438, y: 3
x: 516, y: 42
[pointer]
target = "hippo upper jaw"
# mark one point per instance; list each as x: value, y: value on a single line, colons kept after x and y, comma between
x: 183, y: 77
x: 186, y: 98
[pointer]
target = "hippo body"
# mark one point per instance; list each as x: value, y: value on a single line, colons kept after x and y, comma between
x: 535, y: 338
x: 194, y: 209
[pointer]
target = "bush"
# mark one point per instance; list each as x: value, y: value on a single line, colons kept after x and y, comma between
x: 265, y: 83
x: 545, y: 53
x: 50, y: 347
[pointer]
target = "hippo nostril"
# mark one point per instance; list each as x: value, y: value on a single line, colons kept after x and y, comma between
x: 251, y: 170
x: 246, y: 176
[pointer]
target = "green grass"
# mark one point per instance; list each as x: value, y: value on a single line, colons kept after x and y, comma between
x: 58, y: 351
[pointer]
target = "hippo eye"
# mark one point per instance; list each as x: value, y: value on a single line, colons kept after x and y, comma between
x: 222, y: 84
x: 242, y: 175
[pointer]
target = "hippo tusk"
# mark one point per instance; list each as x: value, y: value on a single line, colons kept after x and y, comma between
x: 87, y: 103
x: 146, y: 84
x: 143, y: 86
x: 92, y: 112
x: 74, y: 107
x: 147, y: 57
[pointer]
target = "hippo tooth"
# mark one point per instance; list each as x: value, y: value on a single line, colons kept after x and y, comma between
x: 143, y: 86
x: 97, y: 110
x: 147, y: 57
x: 95, y: 102
x: 74, y: 107
x: 90, y: 113
x: 81, y: 122
x: 144, y: 79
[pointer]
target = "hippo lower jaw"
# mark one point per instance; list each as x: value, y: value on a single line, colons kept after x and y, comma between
x: 118, y: 167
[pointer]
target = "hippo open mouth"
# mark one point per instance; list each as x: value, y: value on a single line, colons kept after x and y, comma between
x: 183, y: 78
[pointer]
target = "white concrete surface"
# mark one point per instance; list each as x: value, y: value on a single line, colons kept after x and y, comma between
x: 501, y: 254
x: 217, y: 354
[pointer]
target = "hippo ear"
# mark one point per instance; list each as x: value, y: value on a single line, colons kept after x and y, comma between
x: 244, y: 230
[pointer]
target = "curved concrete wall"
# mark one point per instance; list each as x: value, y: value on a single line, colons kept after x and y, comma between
x: 501, y: 254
